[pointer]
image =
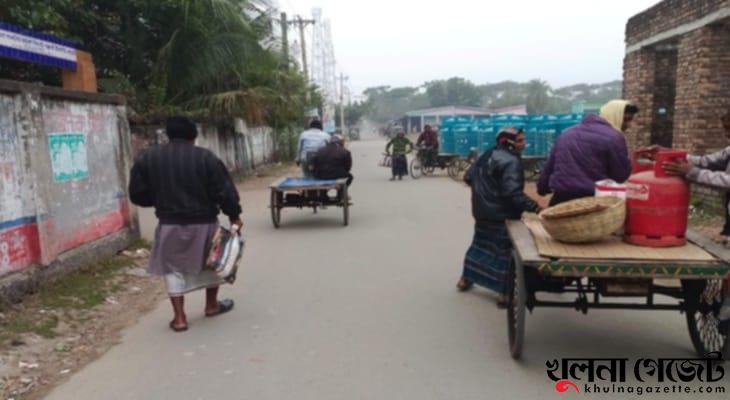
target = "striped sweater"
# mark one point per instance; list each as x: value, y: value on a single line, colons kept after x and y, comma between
x: 186, y: 184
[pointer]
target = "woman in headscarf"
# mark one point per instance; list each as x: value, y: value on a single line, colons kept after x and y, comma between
x: 497, y: 194
x: 589, y: 152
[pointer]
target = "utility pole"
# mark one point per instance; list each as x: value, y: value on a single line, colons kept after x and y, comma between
x: 342, y: 104
x: 285, y: 40
x: 301, y: 23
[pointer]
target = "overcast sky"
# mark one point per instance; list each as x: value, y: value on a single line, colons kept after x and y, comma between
x: 409, y: 42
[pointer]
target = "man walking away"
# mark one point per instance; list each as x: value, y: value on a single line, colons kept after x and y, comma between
x: 310, y: 141
x: 188, y: 186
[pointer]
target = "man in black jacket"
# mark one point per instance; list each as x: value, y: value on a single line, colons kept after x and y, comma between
x: 188, y: 186
x: 497, y: 194
x: 333, y: 161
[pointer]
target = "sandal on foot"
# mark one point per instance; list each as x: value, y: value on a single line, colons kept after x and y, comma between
x: 223, y: 307
x: 463, y: 285
x: 178, y: 328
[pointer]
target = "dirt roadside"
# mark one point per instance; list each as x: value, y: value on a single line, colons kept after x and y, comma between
x: 66, y: 325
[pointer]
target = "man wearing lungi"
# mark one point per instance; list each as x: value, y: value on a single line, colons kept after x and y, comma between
x: 401, y: 146
x: 497, y: 194
x: 188, y: 186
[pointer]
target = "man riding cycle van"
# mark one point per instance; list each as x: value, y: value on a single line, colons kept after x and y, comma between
x: 428, y: 142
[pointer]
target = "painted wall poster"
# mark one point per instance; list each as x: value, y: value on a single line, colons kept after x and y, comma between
x: 68, y: 156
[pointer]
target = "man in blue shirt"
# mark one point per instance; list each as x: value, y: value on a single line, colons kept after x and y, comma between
x: 310, y: 141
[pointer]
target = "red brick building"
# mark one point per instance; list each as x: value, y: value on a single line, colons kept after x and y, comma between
x: 677, y: 70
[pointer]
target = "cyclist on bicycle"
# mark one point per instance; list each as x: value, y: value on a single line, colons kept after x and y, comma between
x: 428, y: 141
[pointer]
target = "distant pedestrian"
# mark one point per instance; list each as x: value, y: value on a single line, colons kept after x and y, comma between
x: 188, y: 186
x: 399, y: 162
x: 310, y: 141
x: 497, y: 194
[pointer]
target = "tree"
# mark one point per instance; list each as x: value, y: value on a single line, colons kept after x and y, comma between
x: 386, y: 104
x: 355, y: 112
x: 538, y: 97
x: 455, y: 91
x: 201, y: 57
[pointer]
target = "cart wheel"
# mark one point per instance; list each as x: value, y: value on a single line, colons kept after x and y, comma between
x: 275, y: 208
x: 345, y: 207
x: 460, y: 168
x: 416, y: 168
x: 516, y: 300
x: 451, y: 170
x: 702, y: 302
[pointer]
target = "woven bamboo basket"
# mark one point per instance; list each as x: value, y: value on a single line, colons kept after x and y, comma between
x: 584, y: 220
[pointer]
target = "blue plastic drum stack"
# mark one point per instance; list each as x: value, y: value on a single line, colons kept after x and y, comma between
x: 446, y: 136
x: 459, y: 135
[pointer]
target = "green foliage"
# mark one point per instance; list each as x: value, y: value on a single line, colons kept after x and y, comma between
x: 538, y: 97
x: 386, y: 104
x: 204, y: 58
x: 455, y: 91
x: 73, y: 294
x: 355, y: 112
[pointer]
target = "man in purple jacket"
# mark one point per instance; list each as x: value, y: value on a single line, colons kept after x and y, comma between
x: 591, y: 151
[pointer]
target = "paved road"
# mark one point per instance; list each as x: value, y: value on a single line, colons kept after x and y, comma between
x: 364, y: 312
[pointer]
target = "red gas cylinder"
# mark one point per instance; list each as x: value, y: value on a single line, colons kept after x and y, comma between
x: 657, y: 205
x: 643, y: 160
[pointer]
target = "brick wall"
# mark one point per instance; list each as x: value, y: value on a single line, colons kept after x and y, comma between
x: 665, y: 82
x: 703, y: 89
x: 639, y: 80
x: 693, y: 68
x: 667, y: 15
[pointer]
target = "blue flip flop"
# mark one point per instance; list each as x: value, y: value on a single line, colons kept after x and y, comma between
x: 223, y: 307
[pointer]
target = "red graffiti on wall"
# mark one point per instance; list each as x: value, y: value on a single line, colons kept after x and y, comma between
x: 19, y: 247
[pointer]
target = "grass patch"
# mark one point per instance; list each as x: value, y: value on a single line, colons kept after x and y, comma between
x: 71, y: 296
x: 85, y: 288
x: 139, y: 244
x: 41, y: 325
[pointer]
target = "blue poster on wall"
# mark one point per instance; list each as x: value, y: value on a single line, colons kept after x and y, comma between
x: 68, y: 156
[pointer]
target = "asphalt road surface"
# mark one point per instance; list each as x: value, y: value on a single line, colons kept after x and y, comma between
x: 368, y: 311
